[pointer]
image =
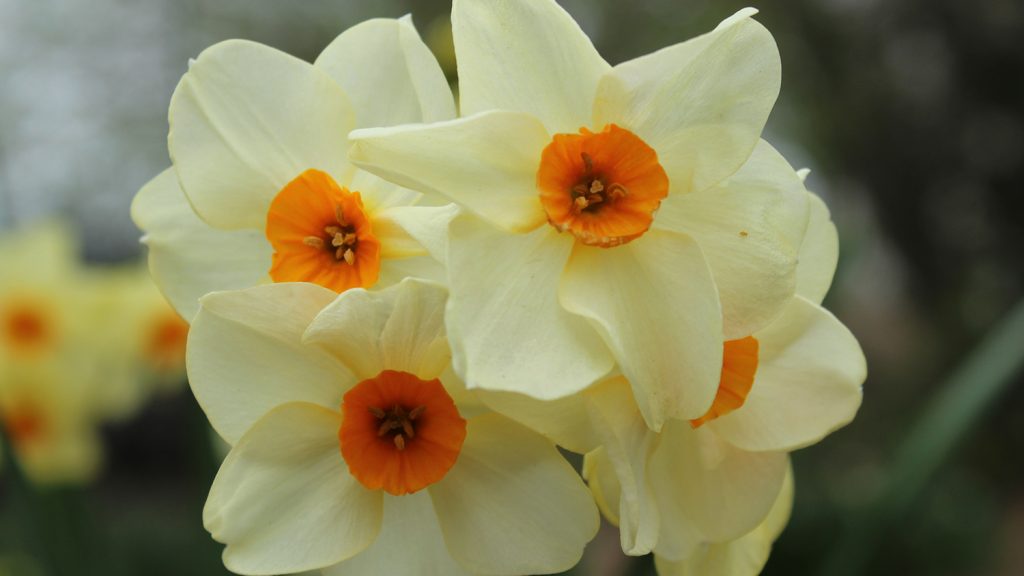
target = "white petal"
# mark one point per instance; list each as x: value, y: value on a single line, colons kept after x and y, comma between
x: 628, y: 444
x: 750, y: 228
x: 506, y: 327
x: 283, y: 500
x: 389, y: 74
x: 428, y: 225
x: 410, y: 543
x: 744, y: 556
x: 247, y: 119
x: 700, y: 104
x: 808, y: 382
x: 512, y: 504
x: 245, y: 355
x: 599, y: 472
x: 394, y: 270
x: 398, y: 328
x: 724, y: 491
x: 564, y: 421
x: 654, y: 303
x: 819, y: 253
x: 527, y: 56
x: 486, y: 163
x: 189, y: 258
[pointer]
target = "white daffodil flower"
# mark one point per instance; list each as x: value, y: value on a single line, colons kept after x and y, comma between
x: 356, y: 450
x: 628, y: 215
x: 705, y: 483
x: 261, y: 189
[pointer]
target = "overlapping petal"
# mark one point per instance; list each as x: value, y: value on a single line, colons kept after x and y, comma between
x: 283, y: 500
x: 750, y: 228
x: 505, y: 324
x: 808, y: 382
x: 410, y: 543
x: 725, y: 491
x: 512, y: 504
x: 819, y: 253
x: 486, y: 163
x: 245, y: 355
x: 701, y: 103
x: 397, y: 328
x: 388, y: 73
x: 527, y: 56
x: 187, y: 257
x: 247, y: 119
x: 654, y: 303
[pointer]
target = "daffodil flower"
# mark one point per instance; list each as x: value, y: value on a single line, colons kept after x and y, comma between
x: 713, y: 479
x: 261, y: 189
x: 356, y: 450
x: 628, y: 215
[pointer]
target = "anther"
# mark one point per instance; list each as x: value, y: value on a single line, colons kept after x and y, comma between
x: 616, y: 191
x: 377, y: 412
x: 349, y: 256
x: 313, y: 242
x: 339, y: 215
x: 588, y: 162
x: 416, y: 412
x: 581, y: 203
x: 399, y: 442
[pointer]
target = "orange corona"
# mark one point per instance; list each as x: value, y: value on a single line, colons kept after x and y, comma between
x: 166, y: 346
x: 604, y: 187
x: 739, y: 365
x: 321, y: 234
x: 400, y: 433
x: 27, y: 327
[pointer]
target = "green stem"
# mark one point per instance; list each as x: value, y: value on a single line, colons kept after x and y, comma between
x: 25, y: 502
x: 964, y: 398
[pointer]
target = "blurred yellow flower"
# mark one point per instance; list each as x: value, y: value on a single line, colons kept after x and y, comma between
x: 261, y: 189
x: 357, y: 450
x: 671, y: 223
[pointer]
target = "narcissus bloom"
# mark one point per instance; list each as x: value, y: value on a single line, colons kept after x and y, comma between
x: 357, y: 450
x: 713, y: 479
x: 261, y: 189
x: 627, y: 214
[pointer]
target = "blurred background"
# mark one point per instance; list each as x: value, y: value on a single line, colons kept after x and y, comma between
x: 909, y: 113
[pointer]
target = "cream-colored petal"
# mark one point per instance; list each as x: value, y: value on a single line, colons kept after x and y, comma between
x: 389, y: 74
x: 654, y: 303
x: 284, y: 501
x: 397, y: 328
x: 808, y: 382
x: 819, y: 253
x: 427, y: 225
x: 512, y: 504
x: 599, y: 472
x: 505, y: 324
x: 700, y: 104
x: 527, y: 56
x: 189, y: 258
x: 246, y: 120
x: 410, y: 543
x: 395, y: 241
x: 564, y: 421
x: 394, y: 270
x: 749, y: 227
x: 744, y: 556
x: 245, y: 355
x: 627, y: 443
x: 724, y: 491
x: 486, y: 163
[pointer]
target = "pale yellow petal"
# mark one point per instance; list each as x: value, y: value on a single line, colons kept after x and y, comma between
x: 819, y: 253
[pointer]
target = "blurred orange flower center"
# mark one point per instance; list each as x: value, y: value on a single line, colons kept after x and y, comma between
x: 26, y: 327
x: 23, y: 424
x: 320, y: 233
x: 166, y: 350
x: 739, y: 365
x: 604, y: 187
x: 400, y: 433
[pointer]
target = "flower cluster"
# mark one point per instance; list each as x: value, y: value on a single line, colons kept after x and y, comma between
x: 397, y: 313
x: 79, y: 346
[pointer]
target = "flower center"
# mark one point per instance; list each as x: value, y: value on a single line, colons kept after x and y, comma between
x: 26, y: 327
x: 23, y: 424
x: 604, y: 187
x: 400, y: 433
x: 739, y: 365
x: 321, y: 234
x: 166, y: 349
